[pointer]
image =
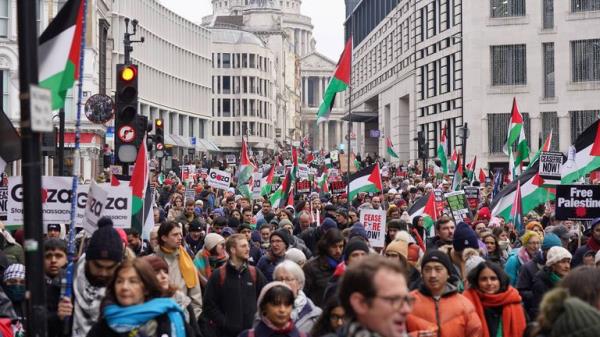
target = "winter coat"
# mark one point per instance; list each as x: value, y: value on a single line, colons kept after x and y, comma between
x: 541, y: 285
x: 299, y: 244
x: 159, y: 327
x: 262, y: 330
x: 452, y: 314
x: 55, y: 324
x: 307, y: 315
x: 525, y: 282
x: 230, y: 308
x: 267, y: 264
x: 318, y: 272
x: 86, y: 304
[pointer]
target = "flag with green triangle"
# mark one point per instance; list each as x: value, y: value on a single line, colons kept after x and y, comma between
x: 366, y: 180
x: 280, y: 197
x: 339, y: 82
x: 139, y: 183
x: 425, y: 207
x: 390, y: 148
x: 584, y: 155
x: 514, y: 128
x: 458, y: 174
x: 267, y: 181
x: 442, y: 151
x: 544, y: 148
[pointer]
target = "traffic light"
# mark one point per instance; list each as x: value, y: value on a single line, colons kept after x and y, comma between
x: 422, y: 146
x: 127, y: 129
x: 159, y: 136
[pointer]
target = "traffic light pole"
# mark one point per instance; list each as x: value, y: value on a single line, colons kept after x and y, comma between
x: 35, y: 317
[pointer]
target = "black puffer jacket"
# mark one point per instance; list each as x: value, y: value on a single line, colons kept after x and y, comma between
x: 541, y: 285
x: 525, y: 282
x: 318, y: 272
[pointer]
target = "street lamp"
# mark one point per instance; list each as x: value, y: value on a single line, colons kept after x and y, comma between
x: 464, y: 135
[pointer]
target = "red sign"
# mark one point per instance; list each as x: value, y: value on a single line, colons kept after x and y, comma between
x: 303, y: 186
x: 338, y: 187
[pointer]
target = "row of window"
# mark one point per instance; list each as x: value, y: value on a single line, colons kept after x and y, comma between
x: 512, y: 8
x: 225, y: 107
x: 241, y: 85
x: 224, y: 129
x: 241, y: 60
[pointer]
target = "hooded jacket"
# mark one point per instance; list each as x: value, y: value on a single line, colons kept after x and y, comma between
x: 453, y: 315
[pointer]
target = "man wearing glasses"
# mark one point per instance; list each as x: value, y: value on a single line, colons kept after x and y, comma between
x: 439, y: 308
x: 375, y: 297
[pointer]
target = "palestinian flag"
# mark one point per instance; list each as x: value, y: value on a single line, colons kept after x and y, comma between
x: 59, y: 51
x: 139, y: 185
x: 390, y: 148
x: 323, y: 186
x: 425, y: 207
x: 516, y: 214
x: 339, y: 82
x: 514, y: 128
x: 458, y: 175
x: 366, y: 180
x: 453, y: 160
x: 471, y: 169
x: 584, y: 155
x: 482, y: 176
x: 522, y: 152
x: 294, y: 163
x: 532, y: 193
x: 246, y: 166
x: 267, y: 181
x: 442, y: 150
x: 309, y: 158
x: 544, y: 148
x: 280, y: 197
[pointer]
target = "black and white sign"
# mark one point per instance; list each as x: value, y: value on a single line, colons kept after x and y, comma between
x: 577, y: 202
x: 230, y: 159
x: 219, y: 179
x: 94, y: 207
x: 3, y: 203
x: 549, y: 168
x: 256, y: 185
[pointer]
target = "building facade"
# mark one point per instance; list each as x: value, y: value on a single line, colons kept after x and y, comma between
x: 424, y: 65
x: 243, y: 93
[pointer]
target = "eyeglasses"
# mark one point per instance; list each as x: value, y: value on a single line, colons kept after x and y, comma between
x: 398, y: 301
x: 335, y: 318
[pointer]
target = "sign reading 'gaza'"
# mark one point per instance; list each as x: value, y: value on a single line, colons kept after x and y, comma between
x: 577, y: 202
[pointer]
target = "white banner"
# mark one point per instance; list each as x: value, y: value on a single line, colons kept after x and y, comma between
x: 257, y: 185
x: 219, y: 179
x: 96, y: 202
x: 114, y: 202
x: 374, y: 222
x: 303, y: 171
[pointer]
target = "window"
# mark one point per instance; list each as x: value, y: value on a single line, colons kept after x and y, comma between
x: 226, y: 84
x: 580, y: 120
x: 103, y: 31
x: 509, y: 65
x: 38, y: 17
x: 498, y: 129
x: 548, y: 14
x: 226, y: 128
x: 227, y: 60
x: 585, y: 55
x: 507, y: 8
x: 584, y: 5
x: 550, y: 123
x: 548, y: 50
x: 4, y: 10
x: 226, y: 107
x: 5, y: 98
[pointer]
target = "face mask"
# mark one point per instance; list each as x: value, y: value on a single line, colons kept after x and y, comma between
x: 16, y: 293
x: 504, y: 244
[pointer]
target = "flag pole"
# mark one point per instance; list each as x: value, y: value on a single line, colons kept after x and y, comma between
x: 349, y: 118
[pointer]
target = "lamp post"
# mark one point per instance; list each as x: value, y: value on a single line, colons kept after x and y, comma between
x: 464, y: 135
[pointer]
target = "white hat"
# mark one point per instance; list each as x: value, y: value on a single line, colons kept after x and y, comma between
x: 472, y: 263
x: 296, y: 255
x: 557, y: 254
x: 212, y: 240
x: 392, y: 191
x: 231, y: 190
x: 429, y: 185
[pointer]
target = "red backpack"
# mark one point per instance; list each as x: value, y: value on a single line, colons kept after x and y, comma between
x: 223, y: 273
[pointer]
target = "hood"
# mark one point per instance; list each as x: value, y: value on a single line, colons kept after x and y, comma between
x: 449, y: 290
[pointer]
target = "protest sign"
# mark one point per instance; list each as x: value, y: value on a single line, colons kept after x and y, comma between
x: 219, y: 179
x: 577, y: 202
x: 334, y: 155
x: 458, y: 205
x: 3, y: 203
x: 303, y: 186
x: 338, y: 187
x: 230, y: 159
x: 204, y: 173
x: 374, y: 222
x: 190, y: 194
x: 550, y: 166
x: 303, y: 171
x: 472, y: 195
x: 440, y: 202
x: 94, y: 207
x: 256, y: 185
x: 344, y: 163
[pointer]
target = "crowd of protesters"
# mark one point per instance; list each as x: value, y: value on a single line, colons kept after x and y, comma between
x: 220, y: 264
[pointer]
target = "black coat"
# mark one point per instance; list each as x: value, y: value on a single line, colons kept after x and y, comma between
x: 541, y: 285
x: 55, y: 325
x: 229, y: 309
x: 317, y: 272
x: 101, y: 329
x: 525, y: 282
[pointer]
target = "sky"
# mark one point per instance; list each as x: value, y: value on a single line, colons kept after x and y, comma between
x: 327, y: 18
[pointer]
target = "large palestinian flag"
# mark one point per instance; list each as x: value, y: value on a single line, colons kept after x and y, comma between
x: 366, y: 180
x: 584, y: 155
x: 267, y: 181
x: 532, y: 194
x: 390, y: 148
x: 339, y: 82
x: 59, y: 51
x: 279, y: 199
x: 425, y: 207
x: 139, y: 185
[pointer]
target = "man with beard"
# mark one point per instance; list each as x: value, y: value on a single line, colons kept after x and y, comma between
x: 93, y: 272
x: 279, y: 244
x: 189, y: 213
x: 444, y: 229
x: 136, y: 244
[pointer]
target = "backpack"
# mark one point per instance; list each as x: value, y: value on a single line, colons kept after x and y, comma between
x: 251, y: 333
x: 223, y: 274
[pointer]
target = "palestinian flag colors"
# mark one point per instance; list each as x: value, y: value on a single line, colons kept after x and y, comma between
x: 246, y: 166
x: 139, y: 185
x: 514, y: 128
x: 584, y: 155
x: 545, y: 148
x: 294, y: 162
x: 531, y: 190
x: 482, y: 176
x: 458, y: 175
x: 516, y: 214
x: 339, y: 82
x: 425, y: 207
x: 453, y: 160
x: 390, y: 148
x: 366, y: 180
x: 442, y: 150
x: 322, y: 184
x: 471, y: 169
x: 59, y: 51
x: 267, y: 181
x: 281, y: 195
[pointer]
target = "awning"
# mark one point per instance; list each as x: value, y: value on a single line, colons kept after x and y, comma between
x: 85, y: 139
x: 362, y: 116
x: 210, y: 145
x: 181, y: 141
x: 169, y: 140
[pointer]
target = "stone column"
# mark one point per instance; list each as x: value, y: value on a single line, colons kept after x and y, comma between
x: 564, y: 130
x: 338, y: 133
x: 320, y: 88
x: 326, y: 135
x: 535, y: 130
x: 305, y: 93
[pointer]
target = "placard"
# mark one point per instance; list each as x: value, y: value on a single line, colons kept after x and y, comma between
x: 230, y: 159
x: 94, y: 207
x: 577, y: 202
x: 458, y: 205
x: 219, y: 179
x: 472, y: 195
x: 257, y: 182
x: 303, y: 171
x: 118, y: 204
x: 3, y: 203
x: 338, y: 187
x: 190, y: 194
x: 550, y: 166
x: 334, y: 155
x: 374, y: 222
x: 303, y: 186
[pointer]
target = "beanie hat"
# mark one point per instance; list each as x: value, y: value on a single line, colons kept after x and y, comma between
x: 104, y: 222
x: 354, y: 245
x: 398, y: 246
x: 568, y: 316
x: 212, y: 240
x: 195, y: 226
x: 265, y: 290
x: 105, y: 244
x: 227, y: 232
x: 464, y: 237
x: 296, y: 255
x: 284, y: 235
x: 122, y: 235
x: 557, y: 254
x: 234, y: 222
x: 358, y: 230
x: 551, y: 240
x: 244, y: 226
x: 595, y: 222
x: 484, y: 214
x: 15, y: 271
x: 157, y: 263
x: 437, y: 256
x: 260, y: 222
x: 328, y: 224
x: 472, y: 263
x: 285, y: 222
x: 527, y: 236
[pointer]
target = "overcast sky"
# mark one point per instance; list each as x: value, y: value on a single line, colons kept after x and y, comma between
x: 327, y: 17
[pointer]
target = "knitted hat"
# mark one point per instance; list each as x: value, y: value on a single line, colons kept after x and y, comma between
x: 284, y: 235
x: 15, y: 271
x: 265, y: 290
x: 296, y: 255
x: 398, y: 246
x: 557, y: 254
x: 212, y: 240
x: 227, y: 232
x: 484, y: 214
x: 464, y: 237
x: 527, y: 236
x: 195, y: 226
x: 550, y: 240
x: 437, y: 256
x: 53, y: 227
x: 472, y: 263
x: 157, y: 263
x: 328, y: 224
x: 569, y: 316
x: 285, y: 222
x: 358, y: 230
x: 105, y: 244
x: 354, y: 245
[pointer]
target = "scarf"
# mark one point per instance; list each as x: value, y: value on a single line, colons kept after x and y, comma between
x: 418, y: 238
x: 124, y: 319
x: 86, y: 306
x: 513, y: 316
x: 593, y: 244
x: 523, y: 255
x: 186, y: 266
x: 331, y: 262
x: 554, y: 278
x: 299, y: 303
x: 279, y: 331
